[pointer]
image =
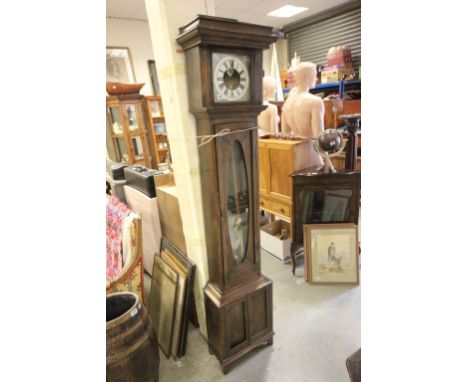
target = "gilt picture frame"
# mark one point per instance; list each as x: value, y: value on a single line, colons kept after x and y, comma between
x: 119, y: 67
x: 331, y: 253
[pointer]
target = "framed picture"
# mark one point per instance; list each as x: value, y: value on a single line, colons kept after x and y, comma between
x: 160, y: 128
x: 331, y: 253
x: 154, y: 77
x: 119, y: 66
x: 162, y: 304
x: 335, y: 207
x: 185, y: 269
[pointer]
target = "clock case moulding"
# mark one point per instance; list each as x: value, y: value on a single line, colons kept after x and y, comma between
x: 238, y: 298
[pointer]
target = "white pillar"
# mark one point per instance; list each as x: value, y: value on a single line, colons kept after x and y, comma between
x: 164, y: 18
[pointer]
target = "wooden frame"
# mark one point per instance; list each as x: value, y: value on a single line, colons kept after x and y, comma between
x: 119, y: 69
x: 331, y: 268
x: 186, y: 272
x: 162, y: 304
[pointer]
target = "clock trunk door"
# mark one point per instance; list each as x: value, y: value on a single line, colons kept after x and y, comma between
x: 238, y: 202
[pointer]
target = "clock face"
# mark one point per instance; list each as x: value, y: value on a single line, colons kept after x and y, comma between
x: 231, y: 77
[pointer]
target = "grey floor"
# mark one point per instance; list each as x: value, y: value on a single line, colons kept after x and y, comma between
x: 316, y: 329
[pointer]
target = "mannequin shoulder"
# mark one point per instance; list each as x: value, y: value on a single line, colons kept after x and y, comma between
x: 272, y: 108
x: 314, y: 98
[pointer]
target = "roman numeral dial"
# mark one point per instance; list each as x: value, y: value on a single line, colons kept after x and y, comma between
x: 231, y: 77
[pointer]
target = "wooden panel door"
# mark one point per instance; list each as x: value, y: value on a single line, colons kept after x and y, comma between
x: 239, y: 205
x: 263, y: 169
x: 281, y: 164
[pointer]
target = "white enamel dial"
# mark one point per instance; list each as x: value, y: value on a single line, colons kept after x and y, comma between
x: 231, y: 78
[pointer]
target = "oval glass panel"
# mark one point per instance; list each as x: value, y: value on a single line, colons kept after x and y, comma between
x: 238, y: 203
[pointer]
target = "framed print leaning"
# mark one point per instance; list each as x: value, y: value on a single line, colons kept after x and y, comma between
x: 331, y: 253
x: 119, y: 66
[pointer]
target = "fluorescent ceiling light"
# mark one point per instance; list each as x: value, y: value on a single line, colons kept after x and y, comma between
x: 287, y: 11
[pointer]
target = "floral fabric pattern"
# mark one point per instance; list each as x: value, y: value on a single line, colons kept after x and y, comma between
x: 116, y: 214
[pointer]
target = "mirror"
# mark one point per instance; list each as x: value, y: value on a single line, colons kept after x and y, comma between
x: 237, y: 203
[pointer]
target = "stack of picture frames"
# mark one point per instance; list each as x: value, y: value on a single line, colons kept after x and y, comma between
x: 331, y: 254
x: 171, y: 302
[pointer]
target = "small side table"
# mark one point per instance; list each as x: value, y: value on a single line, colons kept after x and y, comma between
x: 320, y: 198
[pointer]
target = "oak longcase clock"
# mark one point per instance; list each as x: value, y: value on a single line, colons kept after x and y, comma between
x: 224, y: 71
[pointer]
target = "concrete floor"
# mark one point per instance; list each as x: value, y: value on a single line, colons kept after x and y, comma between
x: 316, y: 329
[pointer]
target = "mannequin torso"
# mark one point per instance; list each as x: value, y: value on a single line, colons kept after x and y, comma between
x: 268, y: 119
x: 302, y: 113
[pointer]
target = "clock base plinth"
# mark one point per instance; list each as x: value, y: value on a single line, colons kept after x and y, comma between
x: 239, y: 320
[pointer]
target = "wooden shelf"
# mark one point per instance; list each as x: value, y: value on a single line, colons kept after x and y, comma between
x: 156, y: 137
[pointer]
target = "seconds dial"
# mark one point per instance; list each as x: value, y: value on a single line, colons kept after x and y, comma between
x: 231, y: 78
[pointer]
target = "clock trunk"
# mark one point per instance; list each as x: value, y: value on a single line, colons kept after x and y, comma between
x: 238, y: 298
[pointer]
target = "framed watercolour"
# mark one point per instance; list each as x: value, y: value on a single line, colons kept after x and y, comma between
x: 331, y: 253
x: 119, y: 66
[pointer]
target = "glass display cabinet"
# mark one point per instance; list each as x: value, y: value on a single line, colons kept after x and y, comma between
x: 126, y: 130
x: 157, y: 134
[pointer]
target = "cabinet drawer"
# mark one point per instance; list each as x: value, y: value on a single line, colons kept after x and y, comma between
x: 275, y: 207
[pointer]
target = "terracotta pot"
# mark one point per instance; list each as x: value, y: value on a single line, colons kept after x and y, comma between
x: 132, y: 351
x: 118, y: 88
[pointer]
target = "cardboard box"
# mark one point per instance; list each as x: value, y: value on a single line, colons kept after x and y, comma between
x: 340, y: 58
x: 271, y: 243
x: 335, y: 74
x: 169, y: 210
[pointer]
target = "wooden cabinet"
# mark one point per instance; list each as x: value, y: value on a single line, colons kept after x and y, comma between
x: 277, y: 159
x: 323, y: 198
x: 126, y: 130
x: 157, y: 133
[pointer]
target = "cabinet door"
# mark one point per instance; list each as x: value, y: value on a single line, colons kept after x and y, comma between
x: 281, y: 165
x: 260, y: 313
x: 263, y: 168
x: 239, y: 204
x: 237, y: 336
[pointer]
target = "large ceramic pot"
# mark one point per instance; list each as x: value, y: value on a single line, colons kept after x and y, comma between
x: 132, y: 352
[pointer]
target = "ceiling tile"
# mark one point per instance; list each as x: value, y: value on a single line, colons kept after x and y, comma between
x: 255, y: 18
x: 238, y: 5
x: 228, y: 14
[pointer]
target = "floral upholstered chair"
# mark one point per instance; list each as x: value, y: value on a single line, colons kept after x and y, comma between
x: 124, y: 259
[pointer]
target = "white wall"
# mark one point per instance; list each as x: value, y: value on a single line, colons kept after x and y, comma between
x: 282, y: 53
x: 135, y: 35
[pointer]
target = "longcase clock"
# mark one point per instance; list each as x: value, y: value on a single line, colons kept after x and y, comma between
x: 224, y: 71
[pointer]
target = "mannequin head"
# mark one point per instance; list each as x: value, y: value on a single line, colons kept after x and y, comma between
x: 305, y: 75
x: 269, y: 88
